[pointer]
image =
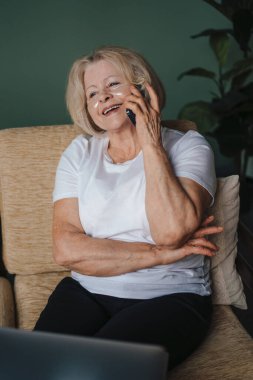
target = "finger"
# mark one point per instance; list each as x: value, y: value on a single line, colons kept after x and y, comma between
x: 207, y: 220
x: 198, y: 250
x: 135, y: 107
x: 203, y: 242
x: 153, y: 97
x: 138, y: 100
x: 208, y: 231
x: 136, y: 91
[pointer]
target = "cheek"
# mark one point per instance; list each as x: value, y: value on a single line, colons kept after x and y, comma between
x: 92, y: 111
x: 94, y: 117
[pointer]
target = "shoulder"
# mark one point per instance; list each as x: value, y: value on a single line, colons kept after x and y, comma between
x: 73, y: 155
x: 177, y: 141
x: 82, y: 146
x: 170, y: 137
x: 191, y: 157
x: 77, y: 146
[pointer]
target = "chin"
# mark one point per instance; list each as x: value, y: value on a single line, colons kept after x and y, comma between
x: 115, y: 125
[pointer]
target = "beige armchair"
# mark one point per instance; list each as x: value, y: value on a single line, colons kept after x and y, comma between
x: 28, y: 160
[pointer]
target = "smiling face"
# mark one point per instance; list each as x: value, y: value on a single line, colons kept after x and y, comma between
x: 106, y: 89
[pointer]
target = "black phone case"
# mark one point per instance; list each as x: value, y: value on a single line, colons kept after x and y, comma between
x: 130, y: 113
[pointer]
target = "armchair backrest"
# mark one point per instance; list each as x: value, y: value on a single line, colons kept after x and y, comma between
x: 28, y: 161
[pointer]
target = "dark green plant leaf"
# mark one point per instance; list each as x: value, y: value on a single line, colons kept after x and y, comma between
x: 244, y: 63
x: 243, y: 26
x: 240, y: 13
x: 200, y: 113
x: 235, y: 4
x: 229, y: 7
x: 210, y: 32
x: 240, y: 79
x: 247, y: 91
x: 199, y: 72
x: 225, y: 106
x: 230, y: 145
x: 219, y: 42
x: 226, y: 10
x: 245, y: 108
x: 231, y: 136
x: 238, y: 68
x: 214, y: 95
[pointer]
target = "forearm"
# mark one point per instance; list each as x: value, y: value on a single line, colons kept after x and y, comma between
x: 174, y: 207
x: 103, y: 257
x: 171, y: 213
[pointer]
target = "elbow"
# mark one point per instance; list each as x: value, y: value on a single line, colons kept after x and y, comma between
x: 60, y: 256
x: 169, y: 239
x: 177, y: 236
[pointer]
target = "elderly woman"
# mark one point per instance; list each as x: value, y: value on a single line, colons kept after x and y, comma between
x: 129, y: 206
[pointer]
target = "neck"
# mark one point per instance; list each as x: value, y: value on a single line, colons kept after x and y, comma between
x: 123, y: 145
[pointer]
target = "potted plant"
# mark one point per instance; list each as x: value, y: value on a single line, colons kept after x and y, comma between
x: 228, y: 116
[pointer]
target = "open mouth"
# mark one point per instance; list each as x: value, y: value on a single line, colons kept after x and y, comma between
x: 109, y: 110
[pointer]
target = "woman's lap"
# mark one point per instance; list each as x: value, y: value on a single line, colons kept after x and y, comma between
x: 71, y: 311
x: 178, y: 322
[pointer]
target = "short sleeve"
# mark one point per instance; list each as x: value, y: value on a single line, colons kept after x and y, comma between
x: 193, y: 158
x: 66, y: 179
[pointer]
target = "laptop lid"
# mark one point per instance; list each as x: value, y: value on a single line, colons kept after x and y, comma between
x: 26, y: 355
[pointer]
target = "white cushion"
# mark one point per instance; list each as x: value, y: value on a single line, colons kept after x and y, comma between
x: 226, y: 282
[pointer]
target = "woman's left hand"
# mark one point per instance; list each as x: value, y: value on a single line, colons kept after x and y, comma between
x: 147, y: 115
x: 199, y: 238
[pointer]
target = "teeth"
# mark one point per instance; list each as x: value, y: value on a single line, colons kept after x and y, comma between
x: 110, y: 109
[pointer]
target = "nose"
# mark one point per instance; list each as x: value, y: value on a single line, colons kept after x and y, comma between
x: 104, y: 96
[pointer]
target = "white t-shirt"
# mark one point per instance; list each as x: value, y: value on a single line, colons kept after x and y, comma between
x: 112, y: 206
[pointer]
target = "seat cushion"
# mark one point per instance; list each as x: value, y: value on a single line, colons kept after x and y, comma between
x: 226, y: 353
x: 31, y: 293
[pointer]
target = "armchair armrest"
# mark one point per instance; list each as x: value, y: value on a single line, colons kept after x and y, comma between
x: 244, y: 265
x: 7, y: 311
x: 245, y: 255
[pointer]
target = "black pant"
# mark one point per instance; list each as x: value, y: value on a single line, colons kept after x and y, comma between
x: 179, y: 322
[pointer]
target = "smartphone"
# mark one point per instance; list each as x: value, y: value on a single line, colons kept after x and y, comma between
x: 129, y: 112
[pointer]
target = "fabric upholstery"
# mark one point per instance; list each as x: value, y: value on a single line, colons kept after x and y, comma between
x: 226, y: 283
x: 180, y: 125
x: 28, y: 160
x: 7, y: 318
x: 226, y: 353
x: 32, y: 292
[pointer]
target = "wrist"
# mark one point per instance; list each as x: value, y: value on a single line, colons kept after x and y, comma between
x: 159, y: 254
x: 153, y: 148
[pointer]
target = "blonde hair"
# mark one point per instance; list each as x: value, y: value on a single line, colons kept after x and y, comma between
x: 133, y: 66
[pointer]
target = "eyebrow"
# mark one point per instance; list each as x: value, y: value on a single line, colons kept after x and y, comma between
x: 109, y: 76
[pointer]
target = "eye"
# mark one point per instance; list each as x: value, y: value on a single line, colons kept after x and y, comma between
x: 92, y: 94
x: 114, y: 84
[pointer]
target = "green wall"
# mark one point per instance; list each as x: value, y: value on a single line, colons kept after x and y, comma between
x: 41, y: 38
